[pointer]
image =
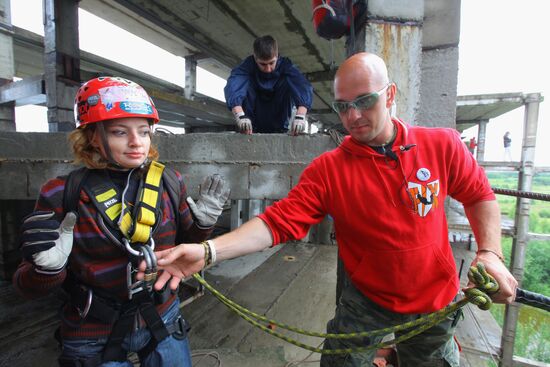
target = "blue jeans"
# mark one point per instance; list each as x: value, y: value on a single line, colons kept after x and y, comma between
x: 170, y: 352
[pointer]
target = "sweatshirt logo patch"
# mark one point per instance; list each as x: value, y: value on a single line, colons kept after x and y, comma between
x: 424, y: 196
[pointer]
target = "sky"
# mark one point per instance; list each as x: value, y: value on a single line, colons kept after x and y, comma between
x: 502, y: 49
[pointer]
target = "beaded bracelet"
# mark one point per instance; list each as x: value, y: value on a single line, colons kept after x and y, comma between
x: 207, y: 255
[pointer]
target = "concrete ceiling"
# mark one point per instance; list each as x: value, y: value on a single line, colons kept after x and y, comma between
x: 219, y: 34
x: 470, y: 110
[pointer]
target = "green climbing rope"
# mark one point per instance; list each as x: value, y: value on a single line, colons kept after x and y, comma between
x: 485, y: 285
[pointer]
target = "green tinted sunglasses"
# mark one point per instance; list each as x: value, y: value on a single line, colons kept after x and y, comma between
x: 360, y: 103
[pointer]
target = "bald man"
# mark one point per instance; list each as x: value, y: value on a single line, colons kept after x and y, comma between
x: 385, y: 187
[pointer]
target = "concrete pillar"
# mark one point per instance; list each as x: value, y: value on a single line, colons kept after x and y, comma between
x: 481, y: 134
x: 521, y: 238
x: 394, y: 32
x: 190, y: 77
x: 7, y: 66
x: 61, y: 61
x: 440, y: 39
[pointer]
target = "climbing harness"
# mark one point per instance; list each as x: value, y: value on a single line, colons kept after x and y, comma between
x: 131, y: 229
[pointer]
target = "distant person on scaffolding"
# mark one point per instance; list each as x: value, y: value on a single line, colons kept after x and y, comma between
x: 507, y: 140
x: 385, y: 187
x: 267, y: 93
x: 472, y: 145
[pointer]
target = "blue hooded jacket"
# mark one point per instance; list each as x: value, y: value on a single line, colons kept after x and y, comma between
x: 268, y: 98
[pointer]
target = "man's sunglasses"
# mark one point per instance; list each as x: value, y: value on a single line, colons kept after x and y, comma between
x: 360, y: 103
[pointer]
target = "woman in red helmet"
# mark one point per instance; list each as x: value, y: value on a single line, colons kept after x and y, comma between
x: 89, y: 244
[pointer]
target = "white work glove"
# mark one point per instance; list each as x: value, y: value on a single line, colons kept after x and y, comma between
x: 244, y: 123
x: 47, y: 243
x: 298, y: 126
x: 213, y: 194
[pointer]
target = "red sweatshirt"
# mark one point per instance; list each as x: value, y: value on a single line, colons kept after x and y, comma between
x: 388, y: 215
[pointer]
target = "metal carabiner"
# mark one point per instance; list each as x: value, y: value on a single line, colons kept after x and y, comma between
x: 131, y: 250
x: 151, y: 262
x: 87, y: 307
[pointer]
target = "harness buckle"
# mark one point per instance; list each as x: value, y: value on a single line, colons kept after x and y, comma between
x: 133, y: 287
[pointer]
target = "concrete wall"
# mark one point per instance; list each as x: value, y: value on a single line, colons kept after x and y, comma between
x: 257, y: 166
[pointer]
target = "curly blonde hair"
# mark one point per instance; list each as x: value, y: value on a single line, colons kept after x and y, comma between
x: 84, y: 152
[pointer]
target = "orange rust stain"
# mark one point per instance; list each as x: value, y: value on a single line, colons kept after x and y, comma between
x: 398, y: 38
x: 387, y: 41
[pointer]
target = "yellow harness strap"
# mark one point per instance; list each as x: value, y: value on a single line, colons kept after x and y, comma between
x: 139, y: 229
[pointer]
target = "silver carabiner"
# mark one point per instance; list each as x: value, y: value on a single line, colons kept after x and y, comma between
x: 129, y: 248
x: 151, y: 264
x: 87, y: 307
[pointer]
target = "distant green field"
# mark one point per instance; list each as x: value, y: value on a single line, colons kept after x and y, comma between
x: 539, y: 218
x: 533, y: 334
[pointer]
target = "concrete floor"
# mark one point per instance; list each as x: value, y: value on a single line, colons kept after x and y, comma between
x: 293, y: 283
x: 296, y: 285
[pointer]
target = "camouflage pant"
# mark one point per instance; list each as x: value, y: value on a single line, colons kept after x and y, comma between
x: 355, y: 312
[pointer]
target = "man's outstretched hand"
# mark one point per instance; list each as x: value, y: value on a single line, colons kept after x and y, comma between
x: 176, y: 263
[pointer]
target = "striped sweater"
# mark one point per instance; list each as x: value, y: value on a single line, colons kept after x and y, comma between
x: 95, y: 260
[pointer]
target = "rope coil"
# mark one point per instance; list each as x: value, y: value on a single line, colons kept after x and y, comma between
x: 485, y: 285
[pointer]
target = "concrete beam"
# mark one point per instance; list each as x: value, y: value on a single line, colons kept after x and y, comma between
x: 441, y: 27
x: 172, y: 23
x: 263, y: 166
x: 440, y: 36
x: 6, y: 41
x: 61, y: 61
x: 125, y: 18
x: 27, y: 91
x: 174, y: 109
x: 190, y: 77
x: 7, y: 65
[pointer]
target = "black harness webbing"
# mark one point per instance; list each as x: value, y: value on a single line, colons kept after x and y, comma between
x: 179, y: 329
x: 143, y: 303
x: 102, y: 307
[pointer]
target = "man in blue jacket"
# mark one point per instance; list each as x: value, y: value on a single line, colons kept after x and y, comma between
x: 265, y: 88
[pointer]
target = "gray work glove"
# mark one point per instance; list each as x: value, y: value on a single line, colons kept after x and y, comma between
x: 244, y: 123
x: 47, y: 243
x: 213, y: 194
x: 298, y: 126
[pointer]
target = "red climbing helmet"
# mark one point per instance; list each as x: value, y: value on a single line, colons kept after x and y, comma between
x: 107, y: 98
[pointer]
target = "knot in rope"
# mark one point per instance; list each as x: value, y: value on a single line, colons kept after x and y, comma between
x: 485, y: 285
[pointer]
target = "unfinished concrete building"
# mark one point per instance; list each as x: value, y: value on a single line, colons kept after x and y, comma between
x: 417, y: 38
